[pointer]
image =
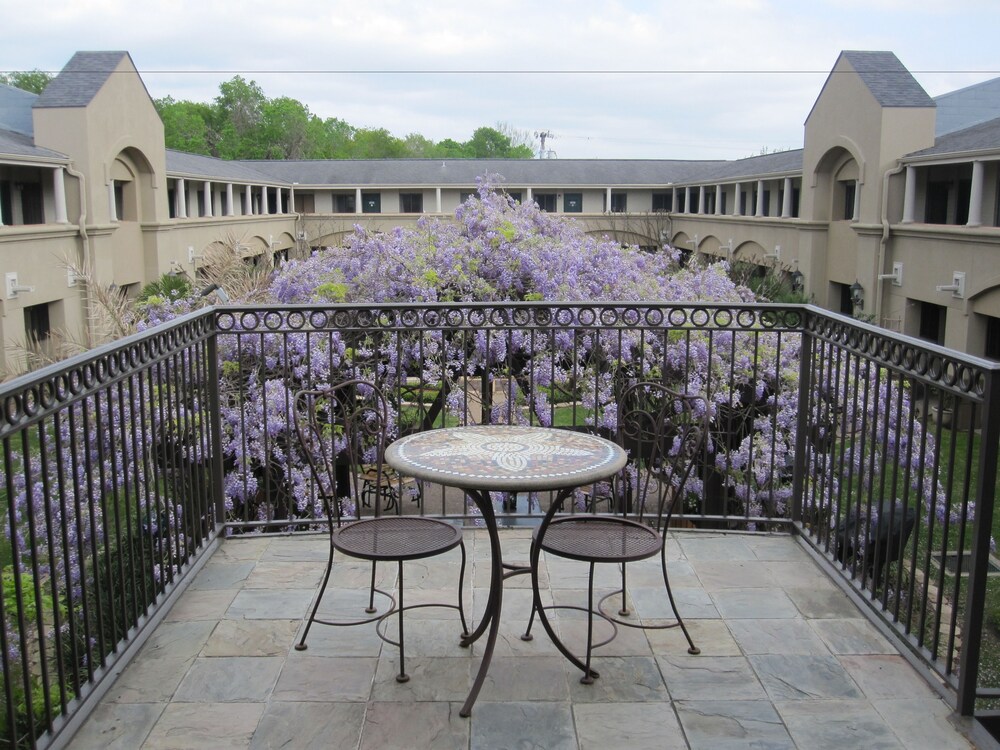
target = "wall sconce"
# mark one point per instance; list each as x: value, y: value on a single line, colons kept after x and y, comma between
x: 957, y: 285
x: 798, y: 280
x: 776, y: 254
x: 896, y: 275
x: 858, y: 296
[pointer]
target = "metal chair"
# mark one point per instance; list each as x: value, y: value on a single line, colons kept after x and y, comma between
x: 342, y: 434
x: 664, y: 433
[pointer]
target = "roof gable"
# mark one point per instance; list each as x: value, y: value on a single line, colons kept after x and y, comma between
x: 966, y: 107
x: 887, y: 79
x: 78, y: 83
x: 15, y: 110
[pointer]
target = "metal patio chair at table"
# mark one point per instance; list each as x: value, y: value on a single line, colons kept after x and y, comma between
x: 342, y: 433
x: 664, y: 433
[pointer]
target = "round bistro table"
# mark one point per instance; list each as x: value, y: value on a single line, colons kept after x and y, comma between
x: 481, y: 459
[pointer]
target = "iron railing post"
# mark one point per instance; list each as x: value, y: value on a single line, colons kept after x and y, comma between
x: 215, y: 428
x: 975, y: 610
x: 802, y: 424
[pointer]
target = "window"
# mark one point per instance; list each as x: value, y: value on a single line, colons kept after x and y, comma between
x: 31, y: 202
x: 36, y: 323
x: 305, y: 203
x: 722, y: 203
x: 464, y: 195
x: 6, y: 212
x: 991, y: 349
x: 119, y: 200
x: 411, y: 203
x: 850, y: 191
x: 371, y: 203
x: 619, y: 203
x: 344, y: 204
x: 663, y: 201
x: 932, y: 319
x: 546, y: 201
x: 573, y: 203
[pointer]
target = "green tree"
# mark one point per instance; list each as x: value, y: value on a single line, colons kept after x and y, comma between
x: 377, y: 143
x: 187, y: 126
x: 239, y: 109
x: 34, y: 81
x: 284, y: 129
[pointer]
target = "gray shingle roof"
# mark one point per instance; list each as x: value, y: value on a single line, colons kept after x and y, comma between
x: 464, y: 172
x: 966, y: 107
x: 78, y: 83
x: 19, y: 144
x: 781, y: 162
x: 208, y: 167
x: 15, y: 109
x: 982, y: 137
x: 890, y: 82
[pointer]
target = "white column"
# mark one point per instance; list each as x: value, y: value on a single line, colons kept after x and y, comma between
x: 786, y: 201
x: 357, y: 200
x: 910, y: 195
x: 264, y: 207
x: 976, y: 196
x: 736, y: 200
x: 673, y: 200
x: 718, y: 200
x: 530, y: 198
x: 207, y: 189
x: 291, y: 198
x: 229, y: 199
x: 437, y: 199
x: 112, y: 208
x: 687, y: 200
x: 182, y: 201
x: 248, y: 197
x: 59, y: 193
x: 701, y: 199
x: 607, y: 200
x: 760, y: 199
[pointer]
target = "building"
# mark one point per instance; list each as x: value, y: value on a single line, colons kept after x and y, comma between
x: 889, y: 211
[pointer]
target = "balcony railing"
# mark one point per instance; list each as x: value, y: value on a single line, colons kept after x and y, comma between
x: 121, y: 469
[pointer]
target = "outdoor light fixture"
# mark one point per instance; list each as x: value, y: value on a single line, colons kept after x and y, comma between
x: 858, y: 295
x: 798, y: 280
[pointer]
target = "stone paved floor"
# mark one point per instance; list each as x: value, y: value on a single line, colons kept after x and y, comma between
x: 787, y: 662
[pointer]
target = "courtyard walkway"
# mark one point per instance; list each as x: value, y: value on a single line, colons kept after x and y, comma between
x: 787, y: 662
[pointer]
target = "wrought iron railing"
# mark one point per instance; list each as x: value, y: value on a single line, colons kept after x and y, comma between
x: 121, y: 468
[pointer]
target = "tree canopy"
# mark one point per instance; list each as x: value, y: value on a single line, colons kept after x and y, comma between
x: 34, y: 81
x: 243, y: 123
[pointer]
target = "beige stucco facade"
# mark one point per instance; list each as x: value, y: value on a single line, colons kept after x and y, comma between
x: 873, y: 214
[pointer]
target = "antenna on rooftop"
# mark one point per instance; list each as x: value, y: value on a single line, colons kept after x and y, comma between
x: 543, y: 134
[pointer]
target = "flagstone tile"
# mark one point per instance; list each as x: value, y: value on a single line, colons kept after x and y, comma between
x: 309, y: 726
x: 229, y: 680
x: 523, y: 725
x: 636, y: 726
x: 725, y: 725
x: 205, y: 726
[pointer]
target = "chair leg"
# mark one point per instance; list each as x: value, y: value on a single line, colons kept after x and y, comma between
x: 301, y: 645
x: 371, y: 609
x: 588, y: 675
x: 624, y: 611
x: 692, y: 649
x: 402, y: 676
x: 526, y: 635
x: 461, y: 587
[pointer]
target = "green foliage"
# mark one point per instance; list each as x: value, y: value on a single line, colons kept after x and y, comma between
x: 34, y: 81
x: 165, y: 288
x: 243, y: 123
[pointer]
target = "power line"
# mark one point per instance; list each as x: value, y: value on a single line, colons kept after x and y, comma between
x: 412, y: 72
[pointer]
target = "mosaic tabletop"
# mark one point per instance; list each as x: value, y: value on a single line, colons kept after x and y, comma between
x: 503, y: 458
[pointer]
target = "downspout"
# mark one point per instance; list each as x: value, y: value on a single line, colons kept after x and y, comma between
x: 86, y: 262
x: 883, y: 241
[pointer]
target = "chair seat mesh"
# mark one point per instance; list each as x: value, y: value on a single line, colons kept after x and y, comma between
x: 396, y: 538
x: 601, y: 539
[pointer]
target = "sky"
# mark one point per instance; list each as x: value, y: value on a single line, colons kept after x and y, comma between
x: 724, y: 79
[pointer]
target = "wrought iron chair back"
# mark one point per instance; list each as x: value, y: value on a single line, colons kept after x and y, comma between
x: 665, y: 434
x: 342, y: 432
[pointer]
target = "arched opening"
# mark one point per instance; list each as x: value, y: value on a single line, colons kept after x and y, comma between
x: 837, y: 182
x: 132, y: 179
